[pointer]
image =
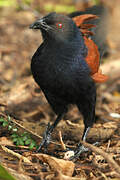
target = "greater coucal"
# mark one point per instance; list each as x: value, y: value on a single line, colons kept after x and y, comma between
x: 66, y: 67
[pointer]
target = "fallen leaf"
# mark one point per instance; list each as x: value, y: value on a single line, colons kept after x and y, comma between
x: 58, y: 165
x: 61, y: 176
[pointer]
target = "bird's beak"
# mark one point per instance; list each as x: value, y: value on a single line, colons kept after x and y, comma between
x: 37, y: 24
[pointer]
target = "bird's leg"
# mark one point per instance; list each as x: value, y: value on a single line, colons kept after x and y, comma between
x: 48, y: 132
x: 85, y: 133
x: 80, y: 148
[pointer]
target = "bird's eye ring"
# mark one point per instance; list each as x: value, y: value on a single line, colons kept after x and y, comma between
x: 59, y: 25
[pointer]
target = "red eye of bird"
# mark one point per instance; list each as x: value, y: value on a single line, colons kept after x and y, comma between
x: 59, y: 25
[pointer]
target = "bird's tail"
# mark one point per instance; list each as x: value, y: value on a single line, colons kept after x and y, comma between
x: 101, y: 23
x: 93, y: 55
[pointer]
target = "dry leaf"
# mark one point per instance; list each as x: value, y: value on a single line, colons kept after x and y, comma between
x: 59, y: 165
x: 61, y: 176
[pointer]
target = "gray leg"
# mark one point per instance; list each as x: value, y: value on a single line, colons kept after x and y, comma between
x: 48, y: 132
x: 80, y: 149
x: 85, y: 133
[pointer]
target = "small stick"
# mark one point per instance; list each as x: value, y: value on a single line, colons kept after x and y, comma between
x: 61, y: 141
x: 108, y: 146
x: 15, y: 154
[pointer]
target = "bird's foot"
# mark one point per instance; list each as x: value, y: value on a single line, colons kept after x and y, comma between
x: 74, y: 155
x: 46, y: 138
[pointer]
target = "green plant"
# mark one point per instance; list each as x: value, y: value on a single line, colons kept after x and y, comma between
x: 23, y: 139
x: 4, y: 174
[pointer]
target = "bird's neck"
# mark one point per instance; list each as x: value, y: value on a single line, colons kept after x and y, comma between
x: 72, y: 47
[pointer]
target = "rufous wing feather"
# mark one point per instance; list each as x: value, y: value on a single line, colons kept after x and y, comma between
x: 93, y: 56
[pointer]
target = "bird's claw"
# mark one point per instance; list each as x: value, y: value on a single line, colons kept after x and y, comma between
x: 74, y: 155
x: 79, y: 151
x: 46, y: 138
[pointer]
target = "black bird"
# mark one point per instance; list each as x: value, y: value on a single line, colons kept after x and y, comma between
x: 59, y: 68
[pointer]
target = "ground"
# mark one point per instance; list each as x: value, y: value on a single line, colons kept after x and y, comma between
x: 23, y: 101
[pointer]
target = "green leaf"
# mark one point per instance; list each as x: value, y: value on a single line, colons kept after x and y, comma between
x: 2, y: 119
x: 32, y: 145
x: 9, y: 118
x: 28, y: 141
x: 4, y: 174
x: 14, y: 135
x: 5, y: 123
x: 24, y: 134
x: 24, y: 138
x: 9, y: 127
x: 15, y: 139
x: 21, y: 142
x: 17, y: 142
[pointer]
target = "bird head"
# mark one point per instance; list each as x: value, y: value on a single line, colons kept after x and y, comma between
x: 56, y: 26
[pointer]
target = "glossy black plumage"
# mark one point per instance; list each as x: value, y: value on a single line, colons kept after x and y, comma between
x: 59, y: 68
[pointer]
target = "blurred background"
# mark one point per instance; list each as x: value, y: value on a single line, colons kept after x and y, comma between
x: 20, y: 97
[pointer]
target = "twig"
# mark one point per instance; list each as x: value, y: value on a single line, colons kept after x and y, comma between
x: 108, y: 146
x: 15, y: 154
x: 103, y: 176
x: 19, y: 125
x: 72, y: 124
x: 107, y: 157
x: 61, y: 141
x: 2, y: 114
x: 112, y: 173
